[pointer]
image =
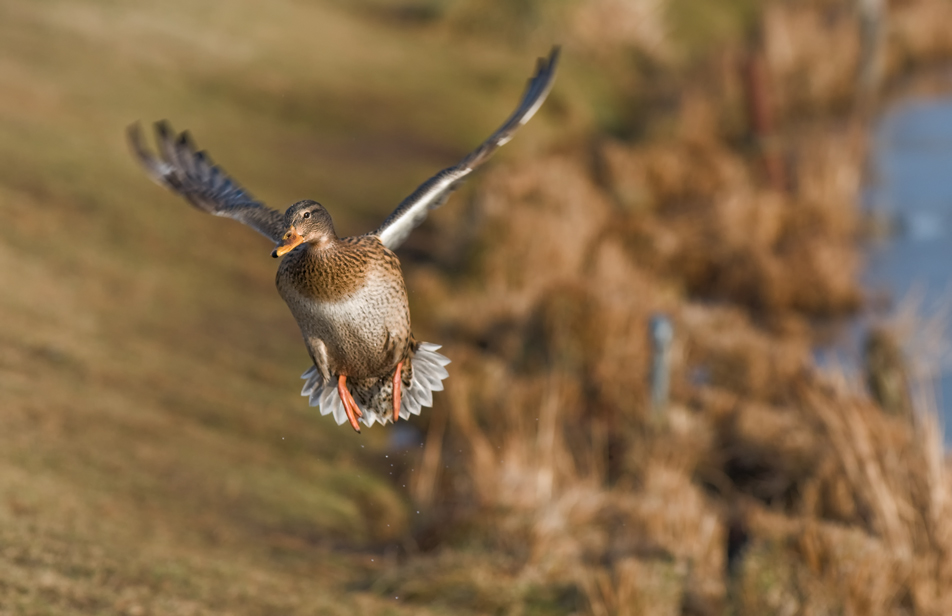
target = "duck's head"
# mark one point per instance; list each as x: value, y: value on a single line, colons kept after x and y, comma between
x: 307, y: 221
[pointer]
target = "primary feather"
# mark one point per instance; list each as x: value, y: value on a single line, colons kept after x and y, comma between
x: 205, y: 185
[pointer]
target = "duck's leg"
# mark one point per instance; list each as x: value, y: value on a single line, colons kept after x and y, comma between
x: 353, y: 411
x: 397, y: 382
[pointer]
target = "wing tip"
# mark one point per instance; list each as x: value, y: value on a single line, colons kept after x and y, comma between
x: 155, y: 167
x: 547, y: 69
x: 136, y: 141
x: 163, y: 128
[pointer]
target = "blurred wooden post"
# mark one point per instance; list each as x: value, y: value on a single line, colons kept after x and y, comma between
x: 887, y: 373
x: 662, y: 335
x: 872, y: 27
x: 760, y: 114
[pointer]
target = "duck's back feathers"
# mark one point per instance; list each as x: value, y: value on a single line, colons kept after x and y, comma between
x: 422, y: 375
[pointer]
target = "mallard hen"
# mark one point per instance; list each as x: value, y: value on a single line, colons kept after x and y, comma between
x: 347, y: 294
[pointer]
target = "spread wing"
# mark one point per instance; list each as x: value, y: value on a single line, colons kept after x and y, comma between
x: 206, y: 186
x: 434, y: 192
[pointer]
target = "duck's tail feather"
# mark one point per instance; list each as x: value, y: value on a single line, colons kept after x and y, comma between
x: 375, y: 398
x: 323, y: 395
x: 428, y: 372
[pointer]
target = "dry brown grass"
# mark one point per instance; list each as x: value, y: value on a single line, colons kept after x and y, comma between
x: 769, y: 487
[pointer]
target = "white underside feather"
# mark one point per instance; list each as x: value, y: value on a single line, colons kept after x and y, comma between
x: 428, y: 374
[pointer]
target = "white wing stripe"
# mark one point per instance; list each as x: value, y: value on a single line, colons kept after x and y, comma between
x: 434, y: 192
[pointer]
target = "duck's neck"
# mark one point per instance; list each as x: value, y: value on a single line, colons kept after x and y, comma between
x: 323, y: 243
x: 331, y: 269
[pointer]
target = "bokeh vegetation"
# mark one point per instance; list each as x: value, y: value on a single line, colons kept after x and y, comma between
x: 155, y: 457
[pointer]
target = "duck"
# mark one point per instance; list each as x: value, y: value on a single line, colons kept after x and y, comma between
x: 347, y: 294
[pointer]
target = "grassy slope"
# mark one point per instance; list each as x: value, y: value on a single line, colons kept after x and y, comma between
x: 154, y: 454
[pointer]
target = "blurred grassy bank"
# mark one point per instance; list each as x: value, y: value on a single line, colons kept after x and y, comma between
x: 155, y: 457
x: 154, y: 454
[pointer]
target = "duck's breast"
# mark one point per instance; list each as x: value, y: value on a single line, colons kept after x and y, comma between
x: 364, y: 331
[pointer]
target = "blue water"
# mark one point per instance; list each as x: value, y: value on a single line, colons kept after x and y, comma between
x: 911, y: 185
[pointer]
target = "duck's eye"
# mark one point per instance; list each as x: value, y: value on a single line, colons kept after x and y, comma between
x: 307, y: 214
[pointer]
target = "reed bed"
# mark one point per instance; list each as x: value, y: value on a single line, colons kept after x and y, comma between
x: 768, y: 485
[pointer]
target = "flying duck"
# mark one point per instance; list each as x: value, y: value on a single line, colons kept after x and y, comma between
x: 346, y: 294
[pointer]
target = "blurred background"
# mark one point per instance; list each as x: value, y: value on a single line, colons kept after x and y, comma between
x: 696, y: 310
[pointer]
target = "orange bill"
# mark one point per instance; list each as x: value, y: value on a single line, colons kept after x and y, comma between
x: 291, y: 240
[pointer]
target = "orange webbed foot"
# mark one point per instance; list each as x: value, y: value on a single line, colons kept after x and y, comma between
x: 353, y: 411
x: 397, y: 383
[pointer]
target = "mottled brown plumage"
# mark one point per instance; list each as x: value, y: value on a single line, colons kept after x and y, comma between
x: 346, y: 294
x: 349, y: 298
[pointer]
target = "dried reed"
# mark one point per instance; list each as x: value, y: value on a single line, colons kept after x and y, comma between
x: 769, y: 486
